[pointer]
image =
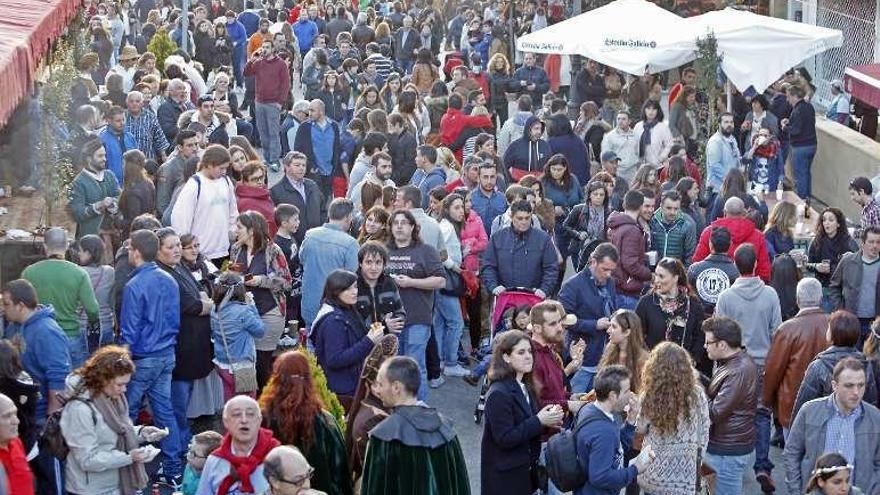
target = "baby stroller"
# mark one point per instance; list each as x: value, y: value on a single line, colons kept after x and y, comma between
x: 507, y: 300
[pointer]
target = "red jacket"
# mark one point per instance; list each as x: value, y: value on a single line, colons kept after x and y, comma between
x: 473, y: 235
x: 454, y: 121
x: 272, y: 79
x: 547, y: 376
x: 14, y: 462
x: 632, y: 272
x: 742, y: 230
x: 255, y: 198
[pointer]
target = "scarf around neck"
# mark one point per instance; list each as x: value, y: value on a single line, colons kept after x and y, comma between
x: 645, y: 139
x: 115, y: 413
x: 241, y: 467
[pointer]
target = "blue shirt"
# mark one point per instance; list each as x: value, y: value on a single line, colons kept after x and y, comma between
x: 305, y: 31
x: 322, y: 145
x: 488, y: 207
x: 116, y: 145
x: 840, y: 433
x: 323, y: 250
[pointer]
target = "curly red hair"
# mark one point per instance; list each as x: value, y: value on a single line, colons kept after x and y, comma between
x: 105, y: 365
x: 290, y: 400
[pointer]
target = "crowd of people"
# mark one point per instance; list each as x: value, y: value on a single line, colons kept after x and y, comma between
x: 305, y: 269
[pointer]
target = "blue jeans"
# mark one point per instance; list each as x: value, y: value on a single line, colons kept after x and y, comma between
x: 269, y: 127
x: 801, y: 162
x: 582, y: 380
x: 730, y: 469
x: 78, y: 347
x: 482, y: 367
x: 181, y: 391
x: 239, y: 57
x: 448, y: 325
x: 414, y: 343
x: 626, y: 302
x: 763, y: 429
x: 152, y: 378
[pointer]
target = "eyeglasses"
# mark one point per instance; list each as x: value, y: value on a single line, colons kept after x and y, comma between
x: 256, y: 178
x: 710, y: 342
x: 299, y: 480
x: 191, y: 451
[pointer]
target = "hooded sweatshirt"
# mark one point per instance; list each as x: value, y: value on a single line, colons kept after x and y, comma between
x: 511, y: 130
x: 526, y: 154
x: 632, y: 273
x: 755, y: 306
x: 742, y: 230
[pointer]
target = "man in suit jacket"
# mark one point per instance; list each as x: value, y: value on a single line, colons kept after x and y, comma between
x: 295, y: 189
x: 406, y: 45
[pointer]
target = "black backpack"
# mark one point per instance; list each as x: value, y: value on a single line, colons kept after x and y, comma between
x: 52, y: 440
x: 564, y: 467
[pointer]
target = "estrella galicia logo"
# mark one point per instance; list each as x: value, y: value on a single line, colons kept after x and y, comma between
x: 540, y: 47
x: 629, y: 43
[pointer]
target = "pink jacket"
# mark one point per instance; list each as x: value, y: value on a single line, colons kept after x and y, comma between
x: 475, y: 240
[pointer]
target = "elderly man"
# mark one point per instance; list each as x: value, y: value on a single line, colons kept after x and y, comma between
x: 237, y: 466
x: 742, y: 230
x: 288, y: 472
x: 13, y: 458
x: 145, y: 128
x: 177, y: 102
x: 795, y: 344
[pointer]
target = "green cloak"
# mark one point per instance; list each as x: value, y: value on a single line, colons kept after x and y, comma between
x: 414, y: 451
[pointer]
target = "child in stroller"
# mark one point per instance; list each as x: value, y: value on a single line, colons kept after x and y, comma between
x: 516, y: 318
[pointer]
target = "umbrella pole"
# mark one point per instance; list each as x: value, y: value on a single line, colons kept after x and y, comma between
x: 729, y: 91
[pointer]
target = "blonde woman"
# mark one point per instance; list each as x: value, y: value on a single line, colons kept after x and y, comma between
x: 446, y: 160
x: 499, y: 80
x: 779, y: 232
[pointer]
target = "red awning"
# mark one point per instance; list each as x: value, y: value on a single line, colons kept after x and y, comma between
x: 27, y: 30
x: 863, y: 83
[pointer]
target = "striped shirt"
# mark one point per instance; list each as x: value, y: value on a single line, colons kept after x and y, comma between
x: 840, y: 435
x: 147, y: 133
x: 383, y: 65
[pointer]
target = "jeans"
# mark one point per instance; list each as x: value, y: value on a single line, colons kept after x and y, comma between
x: 239, y: 56
x: 482, y: 367
x: 730, y: 469
x: 413, y: 343
x: 626, y: 302
x: 152, y: 378
x: 448, y: 325
x: 181, y: 391
x: 801, y: 161
x: 78, y: 347
x: 763, y: 427
x: 582, y: 380
x: 269, y: 127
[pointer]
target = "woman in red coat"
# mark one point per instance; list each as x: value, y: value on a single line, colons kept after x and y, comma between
x: 252, y: 194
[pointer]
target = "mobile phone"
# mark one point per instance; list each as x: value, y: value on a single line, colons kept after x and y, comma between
x: 248, y: 276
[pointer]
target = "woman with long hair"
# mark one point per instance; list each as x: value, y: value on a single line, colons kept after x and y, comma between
x: 369, y: 98
x: 734, y: 184
x: 683, y: 118
x: 203, y: 40
x: 655, y: 138
x: 626, y: 346
x: 674, y: 171
x: 671, y: 311
x: 390, y: 92
x: 499, y: 74
x: 832, y: 475
x: 675, y: 420
x: 832, y: 241
x: 90, y: 252
x: 689, y: 191
x: 335, y: 101
x: 784, y: 276
x: 590, y: 128
x: 105, y: 454
x: 239, y: 161
x: 585, y: 226
x: 374, y: 226
x: 448, y: 322
x: 779, y: 231
x: 646, y: 178
x: 437, y: 103
x: 138, y: 192
x: 243, y: 143
x: 424, y: 72
x: 313, y: 74
x: 294, y: 412
x: 513, y: 422
x: 267, y: 278
x: 563, y: 189
x: 542, y: 206
x: 342, y: 340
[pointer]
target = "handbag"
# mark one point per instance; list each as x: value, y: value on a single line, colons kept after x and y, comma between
x: 244, y: 373
x: 454, y: 284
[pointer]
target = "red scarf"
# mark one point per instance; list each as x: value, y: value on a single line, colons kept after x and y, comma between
x: 243, y: 467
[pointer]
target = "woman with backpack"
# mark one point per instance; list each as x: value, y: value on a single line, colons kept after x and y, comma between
x: 105, y: 454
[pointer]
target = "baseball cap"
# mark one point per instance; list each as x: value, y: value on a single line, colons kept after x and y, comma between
x: 609, y: 156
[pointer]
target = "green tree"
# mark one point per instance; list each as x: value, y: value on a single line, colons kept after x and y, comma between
x: 331, y: 403
x: 161, y: 46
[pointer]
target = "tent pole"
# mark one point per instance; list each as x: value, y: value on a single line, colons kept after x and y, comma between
x: 576, y: 62
x: 729, y: 91
x: 184, y: 26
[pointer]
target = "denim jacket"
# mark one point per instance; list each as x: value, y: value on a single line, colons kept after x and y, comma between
x: 241, y: 325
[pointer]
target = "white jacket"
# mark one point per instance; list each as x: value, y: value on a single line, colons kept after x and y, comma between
x: 206, y: 208
x: 661, y: 143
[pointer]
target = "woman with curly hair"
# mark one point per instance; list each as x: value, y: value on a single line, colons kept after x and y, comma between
x: 294, y: 412
x: 626, y: 346
x: 105, y: 454
x: 675, y: 420
x: 369, y: 99
x: 499, y: 75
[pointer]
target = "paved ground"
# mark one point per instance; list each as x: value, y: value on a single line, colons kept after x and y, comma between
x: 456, y: 400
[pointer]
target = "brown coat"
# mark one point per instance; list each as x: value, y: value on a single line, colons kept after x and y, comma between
x: 424, y: 76
x: 733, y: 402
x: 795, y: 345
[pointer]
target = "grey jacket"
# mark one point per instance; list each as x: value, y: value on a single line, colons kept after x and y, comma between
x: 806, y: 442
x: 755, y: 306
x: 846, y: 282
x: 169, y: 176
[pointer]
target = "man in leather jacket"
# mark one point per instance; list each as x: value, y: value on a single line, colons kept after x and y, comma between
x: 732, y: 404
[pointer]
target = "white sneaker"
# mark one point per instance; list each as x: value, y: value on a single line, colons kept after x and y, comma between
x: 457, y: 370
x: 436, y: 382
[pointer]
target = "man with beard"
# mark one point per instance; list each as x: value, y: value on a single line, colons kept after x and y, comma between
x: 722, y: 153
x: 94, y: 196
x: 379, y: 175
x: 255, y: 42
x: 117, y: 140
x: 427, y: 459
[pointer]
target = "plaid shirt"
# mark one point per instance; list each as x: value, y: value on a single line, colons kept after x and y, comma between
x: 871, y: 214
x: 840, y: 435
x: 147, y: 133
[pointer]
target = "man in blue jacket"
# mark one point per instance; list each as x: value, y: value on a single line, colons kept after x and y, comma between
x: 487, y: 200
x: 428, y: 174
x: 530, y: 79
x: 591, y: 296
x: 238, y: 35
x: 601, y: 441
x: 117, y: 140
x: 305, y: 30
x: 520, y: 256
x: 149, y: 323
x: 33, y: 329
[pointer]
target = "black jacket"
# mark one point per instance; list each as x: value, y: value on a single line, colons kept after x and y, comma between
x: 312, y: 208
x: 24, y: 393
x: 589, y: 88
x: 402, y: 148
x: 511, y: 441
x: 655, y: 323
x: 373, y: 304
x: 194, y: 350
x: 303, y: 144
x: 334, y: 104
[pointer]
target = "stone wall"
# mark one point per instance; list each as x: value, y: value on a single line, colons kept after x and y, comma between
x: 841, y: 155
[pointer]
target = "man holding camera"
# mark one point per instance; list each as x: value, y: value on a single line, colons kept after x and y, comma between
x: 272, y: 80
x: 94, y: 195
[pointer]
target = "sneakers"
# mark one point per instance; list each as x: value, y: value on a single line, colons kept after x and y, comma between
x: 471, y: 379
x: 457, y: 370
x: 437, y: 382
x: 766, y: 481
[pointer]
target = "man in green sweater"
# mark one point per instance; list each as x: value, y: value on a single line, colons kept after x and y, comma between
x: 67, y: 288
x: 94, y: 194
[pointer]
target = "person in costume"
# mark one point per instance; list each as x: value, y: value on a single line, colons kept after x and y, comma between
x: 415, y: 449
